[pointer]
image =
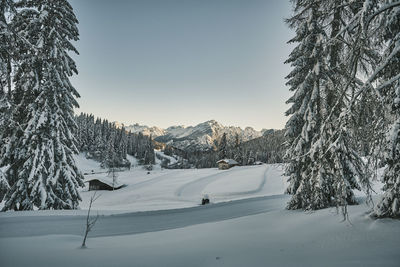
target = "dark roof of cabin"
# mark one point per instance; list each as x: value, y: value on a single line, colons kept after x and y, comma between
x: 107, y: 182
x: 228, y: 161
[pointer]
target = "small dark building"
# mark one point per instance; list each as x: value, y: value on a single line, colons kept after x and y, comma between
x: 225, y: 164
x: 103, y: 184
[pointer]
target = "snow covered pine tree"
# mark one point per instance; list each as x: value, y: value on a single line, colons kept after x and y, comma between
x: 222, y: 147
x: 8, y: 55
x: 389, y: 86
x: 375, y: 26
x: 323, y: 164
x: 42, y: 172
x: 308, y: 185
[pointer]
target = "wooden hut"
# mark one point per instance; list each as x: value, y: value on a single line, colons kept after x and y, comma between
x: 103, y: 184
x: 225, y: 164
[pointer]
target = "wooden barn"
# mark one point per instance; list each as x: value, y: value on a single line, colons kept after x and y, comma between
x: 102, y: 184
x: 225, y: 164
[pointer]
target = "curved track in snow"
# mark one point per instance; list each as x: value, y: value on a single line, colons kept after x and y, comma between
x: 259, y: 188
x: 138, y: 222
x: 151, y: 181
x: 195, y: 188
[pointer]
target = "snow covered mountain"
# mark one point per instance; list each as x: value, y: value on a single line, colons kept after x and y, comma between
x: 145, y: 130
x: 200, y: 137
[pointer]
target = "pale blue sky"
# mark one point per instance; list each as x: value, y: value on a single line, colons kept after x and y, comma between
x: 182, y: 62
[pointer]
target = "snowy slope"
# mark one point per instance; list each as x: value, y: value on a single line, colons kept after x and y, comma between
x: 163, y: 189
x: 273, y: 237
x: 247, y: 225
x: 169, y: 189
x: 181, y: 188
x: 87, y: 165
x: 161, y: 154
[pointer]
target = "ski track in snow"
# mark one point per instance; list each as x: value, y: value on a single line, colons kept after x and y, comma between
x: 250, y: 192
x: 171, y: 189
x: 138, y: 222
x: 151, y: 181
x: 196, y: 187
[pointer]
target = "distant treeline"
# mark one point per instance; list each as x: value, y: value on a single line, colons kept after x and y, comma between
x: 268, y: 148
x: 109, y: 144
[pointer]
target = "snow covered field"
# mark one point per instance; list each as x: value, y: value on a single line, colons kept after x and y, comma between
x: 156, y: 220
x: 170, y: 189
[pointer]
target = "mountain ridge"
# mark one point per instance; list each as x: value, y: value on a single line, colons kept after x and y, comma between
x: 202, y: 136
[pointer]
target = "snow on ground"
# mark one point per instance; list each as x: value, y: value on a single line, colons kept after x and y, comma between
x: 170, y: 189
x: 87, y: 165
x: 274, y: 237
x: 163, y: 189
x: 156, y: 220
x: 133, y: 160
x: 248, y: 181
x: 172, y: 160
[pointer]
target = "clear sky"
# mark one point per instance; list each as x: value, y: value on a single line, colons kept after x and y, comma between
x: 182, y: 62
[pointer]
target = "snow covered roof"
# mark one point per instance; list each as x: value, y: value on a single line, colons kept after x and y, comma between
x: 228, y: 161
x: 107, y: 182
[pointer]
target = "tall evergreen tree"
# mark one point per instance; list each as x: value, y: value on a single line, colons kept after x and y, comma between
x: 14, y: 150
x: 44, y: 173
x: 309, y: 185
x: 8, y: 57
x: 149, y: 157
x: 223, y: 147
x: 337, y: 142
x: 374, y: 25
x: 389, y: 86
x: 323, y: 164
x: 8, y: 45
x: 111, y: 160
x: 237, y: 150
